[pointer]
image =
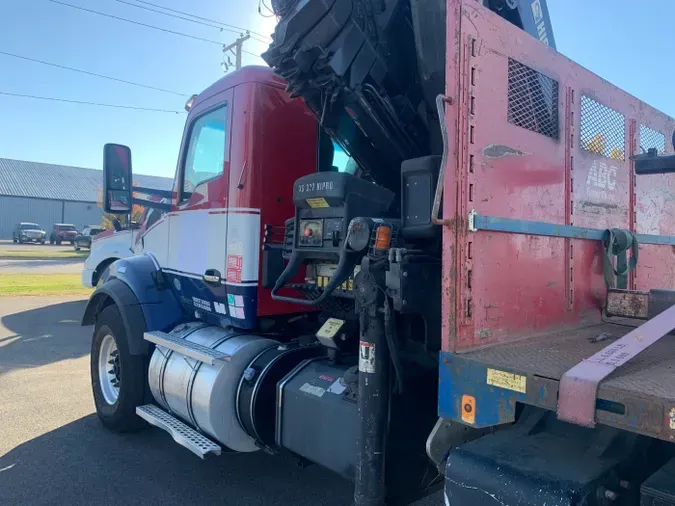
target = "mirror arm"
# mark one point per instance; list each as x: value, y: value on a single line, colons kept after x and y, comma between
x: 153, y: 205
x: 166, y: 194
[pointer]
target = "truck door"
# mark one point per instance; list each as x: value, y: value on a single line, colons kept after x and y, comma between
x: 196, y: 256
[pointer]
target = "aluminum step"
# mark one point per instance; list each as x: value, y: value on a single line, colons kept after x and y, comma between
x: 181, y: 433
x: 189, y: 349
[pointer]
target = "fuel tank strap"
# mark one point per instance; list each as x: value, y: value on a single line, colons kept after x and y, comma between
x: 579, y: 385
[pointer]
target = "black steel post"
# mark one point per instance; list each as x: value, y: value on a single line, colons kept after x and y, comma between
x: 369, y: 488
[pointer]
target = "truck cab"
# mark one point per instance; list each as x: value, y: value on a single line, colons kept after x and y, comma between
x: 229, y: 188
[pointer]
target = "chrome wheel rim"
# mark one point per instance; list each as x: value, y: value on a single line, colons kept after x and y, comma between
x: 109, y: 369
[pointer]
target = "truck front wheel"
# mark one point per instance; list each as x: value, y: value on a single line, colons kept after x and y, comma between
x: 117, y: 377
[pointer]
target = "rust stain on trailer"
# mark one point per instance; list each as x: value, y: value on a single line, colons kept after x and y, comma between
x: 500, y: 151
x: 596, y: 207
x: 632, y: 304
x: 484, y: 334
x: 449, y: 285
x: 506, y: 410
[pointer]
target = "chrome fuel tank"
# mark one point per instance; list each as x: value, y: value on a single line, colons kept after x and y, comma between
x: 205, y: 395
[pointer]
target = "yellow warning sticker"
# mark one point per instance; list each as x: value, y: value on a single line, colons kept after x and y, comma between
x: 330, y: 328
x: 503, y: 379
x: 317, y: 202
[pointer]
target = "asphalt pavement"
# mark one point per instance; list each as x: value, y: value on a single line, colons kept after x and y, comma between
x: 53, y: 450
x: 9, y: 245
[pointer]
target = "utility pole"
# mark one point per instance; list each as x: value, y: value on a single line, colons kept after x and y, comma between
x: 235, y: 48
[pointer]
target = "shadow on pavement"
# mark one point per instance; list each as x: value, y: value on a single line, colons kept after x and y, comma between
x: 43, y: 335
x: 83, y: 463
x: 34, y: 263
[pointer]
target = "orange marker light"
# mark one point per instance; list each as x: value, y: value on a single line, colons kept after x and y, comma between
x: 383, y: 237
x: 469, y: 409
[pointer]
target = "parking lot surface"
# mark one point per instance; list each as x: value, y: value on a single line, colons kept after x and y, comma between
x: 53, y: 450
x: 8, y: 244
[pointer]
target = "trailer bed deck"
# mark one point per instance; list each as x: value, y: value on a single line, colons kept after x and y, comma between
x: 639, y: 396
x: 650, y: 375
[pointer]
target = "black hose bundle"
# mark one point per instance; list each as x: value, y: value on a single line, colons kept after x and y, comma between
x: 282, y: 7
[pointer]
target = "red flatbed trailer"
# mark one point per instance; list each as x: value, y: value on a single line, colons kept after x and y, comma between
x: 533, y: 171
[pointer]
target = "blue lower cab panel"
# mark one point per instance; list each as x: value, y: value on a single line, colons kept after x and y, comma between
x: 224, y: 304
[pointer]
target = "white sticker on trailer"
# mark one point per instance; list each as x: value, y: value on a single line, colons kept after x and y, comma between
x: 367, y: 357
x: 311, y: 389
x: 337, y: 387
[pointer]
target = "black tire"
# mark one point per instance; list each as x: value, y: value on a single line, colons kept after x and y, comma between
x: 120, y: 416
x: 76, y: 247
x: 42, y: 241
x: 58, y: 242
x: 14, y: 241
x: 20, y: 241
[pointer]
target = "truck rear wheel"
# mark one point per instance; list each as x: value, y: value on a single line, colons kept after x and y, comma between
x: 118, y: 379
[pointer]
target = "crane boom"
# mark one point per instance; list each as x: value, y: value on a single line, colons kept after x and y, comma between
x: 370, y: 71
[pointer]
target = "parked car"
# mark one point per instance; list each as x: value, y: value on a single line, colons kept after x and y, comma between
x: 28, y: 232
x: 63, y: 232
x: 83, y: 240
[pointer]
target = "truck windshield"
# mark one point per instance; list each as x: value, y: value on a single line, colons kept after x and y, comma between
x: 332, y: 157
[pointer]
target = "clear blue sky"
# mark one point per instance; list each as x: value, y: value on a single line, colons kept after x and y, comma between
x: 71, y: 134
x: 630, y: 44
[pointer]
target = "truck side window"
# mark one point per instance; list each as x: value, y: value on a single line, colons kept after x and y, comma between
x: 206, y: 150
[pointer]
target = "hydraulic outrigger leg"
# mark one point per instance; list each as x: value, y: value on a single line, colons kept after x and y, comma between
x: 369, y: 489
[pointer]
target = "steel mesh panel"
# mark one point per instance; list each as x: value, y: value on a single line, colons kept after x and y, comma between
x: 603, y: 130
x: 651, y: 139
x: 533, y: 100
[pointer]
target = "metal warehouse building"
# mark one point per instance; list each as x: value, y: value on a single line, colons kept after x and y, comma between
x: 46, y: 194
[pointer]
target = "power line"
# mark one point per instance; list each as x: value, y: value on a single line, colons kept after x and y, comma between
x: 92, y: 73
x: 267, y: 37
x: 178, y: 17
x: 82, y: 102
x: 136, y: 22
x: 142, y: 24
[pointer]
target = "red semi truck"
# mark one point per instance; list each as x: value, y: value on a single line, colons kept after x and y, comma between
x: 449, y: 264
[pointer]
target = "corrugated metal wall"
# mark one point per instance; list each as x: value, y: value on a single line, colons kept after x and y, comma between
x: 82, y: 214
x: 14, y: 210
x: 45, y: 212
